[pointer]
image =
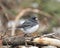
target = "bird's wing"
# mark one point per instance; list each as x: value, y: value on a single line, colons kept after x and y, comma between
x: 26, y: 24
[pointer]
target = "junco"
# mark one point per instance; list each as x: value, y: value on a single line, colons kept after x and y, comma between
x: 28, y: 24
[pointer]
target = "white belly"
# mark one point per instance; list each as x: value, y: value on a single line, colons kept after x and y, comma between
x: 30, y: 30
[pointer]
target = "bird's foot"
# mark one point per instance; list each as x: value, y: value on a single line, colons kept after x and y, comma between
x: 27, y: 35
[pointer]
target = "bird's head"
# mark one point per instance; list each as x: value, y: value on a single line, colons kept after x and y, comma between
x: 34, y: 17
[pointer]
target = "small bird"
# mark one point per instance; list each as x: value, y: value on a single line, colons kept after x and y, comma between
x: 29, y: 24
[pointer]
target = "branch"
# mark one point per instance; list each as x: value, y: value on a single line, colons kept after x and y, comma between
x: 38, y: 40
x: 16, y: 40
x: 47, y: 41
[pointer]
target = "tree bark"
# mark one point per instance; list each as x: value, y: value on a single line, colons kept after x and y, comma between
x: 39, y: 40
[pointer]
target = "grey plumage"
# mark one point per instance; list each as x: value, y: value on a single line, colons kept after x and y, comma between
x: 30, y: 24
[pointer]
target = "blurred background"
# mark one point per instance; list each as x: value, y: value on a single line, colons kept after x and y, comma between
x: 11, y: 8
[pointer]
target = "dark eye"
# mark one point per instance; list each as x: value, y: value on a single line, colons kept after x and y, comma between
x: 34, y: 18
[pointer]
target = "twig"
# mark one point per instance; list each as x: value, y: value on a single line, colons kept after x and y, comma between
x: 46, y: 35
x: 47, y: 41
